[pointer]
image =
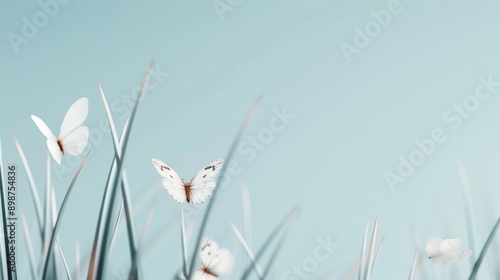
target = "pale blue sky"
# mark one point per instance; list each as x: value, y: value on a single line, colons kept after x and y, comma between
x: 352, y: 119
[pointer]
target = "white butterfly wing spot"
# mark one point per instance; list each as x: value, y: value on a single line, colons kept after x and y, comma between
x: 76, y: 141
x: 75, y: 117
x: 218, y: 260
x: 449, y: 245
x: 445, y: 261
x: 172, y: 183
x: 203, y: 184
x: 433, y: 245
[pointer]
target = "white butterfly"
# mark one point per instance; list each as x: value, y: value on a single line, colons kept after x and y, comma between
x: 197, y: 190
x: 72, y: 137
x: 446, y: 252
x: 215, y: 262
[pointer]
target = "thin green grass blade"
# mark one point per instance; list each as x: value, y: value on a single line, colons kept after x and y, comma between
x: 371, y: 252
x: 104, y: 252
x: 413, y: 265
x: 469, y: 211
x: 208, y: 210
x: 276, y: 251
x: 54, y: 232
x: 33, y: 188
x: 379, y: 249
x: 66, y: 268
x: 132, y: 235
x: 47, y: 226
x: 290, y: 215
x: 486, y: 246
x: 247, y: 214
x: 362, y: 262
x: 29, y: 246
x: 184, y: 245
x: 4, y: 257
x: 250, y: 255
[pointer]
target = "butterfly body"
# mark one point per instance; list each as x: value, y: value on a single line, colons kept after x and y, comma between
x: 197, y: 190
x: 72, y: 137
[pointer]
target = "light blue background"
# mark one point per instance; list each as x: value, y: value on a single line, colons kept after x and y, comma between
x: 353, y: 119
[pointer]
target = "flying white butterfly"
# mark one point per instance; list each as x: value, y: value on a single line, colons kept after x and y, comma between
x: 197, y: 190
x: 72, y: 137
x: 215, y: 262
x: 446, y: 253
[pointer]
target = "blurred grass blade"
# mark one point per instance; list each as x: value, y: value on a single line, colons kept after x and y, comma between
x: 248, y: 251
x: 66, y: 268
x: 146, y: 225
x: 379, y: 249
x: 184, y: 246
x: 33, y: 188
x: 54, y: 232
x: 270, y: 238
x: 362, y: 261
x: 77, y: 261
x: 227, y: 160
x: 29, y: 246
x: 371, y: 252
x: 413, y: 265
x: 469, y: 212
x: 247, y: 214
x: 479, y: 260
x: 4, y: 256
x: 274, y: 255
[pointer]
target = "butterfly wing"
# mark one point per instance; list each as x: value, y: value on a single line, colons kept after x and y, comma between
x: 43, y: 127
x: 172, y: 183
x: 218, y: 261
x: 449, y: 245
x: 75, y: 141
x: 203, y: 184
x: 74, y: 118
x: 200, y: 275
x: 445, y: 260
x: 54, y: 149
x: 433, y: 246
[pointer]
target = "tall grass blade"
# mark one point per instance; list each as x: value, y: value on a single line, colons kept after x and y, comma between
x: 276, y: 251
x: 469, y: 211
x: 184, y: 245
x: 362, y: 261
x: 413, y: 265
x: 54, y: 232
x: 290, y: 215
x: 33, y: 188
x: 479, y: 260
x: 115, y: 228
x: 66, y: 268
x: 371, y: 252
x: 248, y: 251
x: 247, y: 214
x: 4, y: 256
x: 208, y: 210
x: 119, y: 156
x: 29, y: 246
